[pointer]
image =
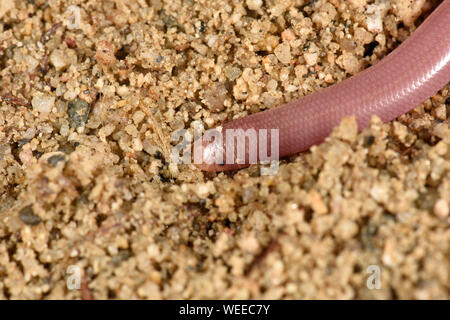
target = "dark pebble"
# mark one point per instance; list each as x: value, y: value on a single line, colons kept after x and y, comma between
x: 78, y: 113
x: 53, y: 160
x: 369, y: 140
x: 123, y: 255
x: 202, y: 27
x: 37, y: 154
x: 28, y: 217
x: 158, y: 155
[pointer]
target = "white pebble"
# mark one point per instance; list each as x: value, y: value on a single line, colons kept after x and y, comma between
x: 43, y: 104
x: 441, y: 208
x: 311, y: 58
x: 59, y: 60
x: 254, y: 4
x: 212, y: 41
x: 283, y: 53
x: 374, y: 18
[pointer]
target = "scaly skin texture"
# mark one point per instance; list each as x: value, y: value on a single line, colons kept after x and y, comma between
x: 413, y: 72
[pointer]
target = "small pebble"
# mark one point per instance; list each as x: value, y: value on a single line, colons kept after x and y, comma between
x: 27, y: 215
x: 441, y: 208
x: 78, y: 111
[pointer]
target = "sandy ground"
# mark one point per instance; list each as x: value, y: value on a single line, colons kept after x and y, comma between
x: 87, y: 191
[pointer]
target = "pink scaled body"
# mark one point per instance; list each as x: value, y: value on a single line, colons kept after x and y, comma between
x: 413, y: 72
